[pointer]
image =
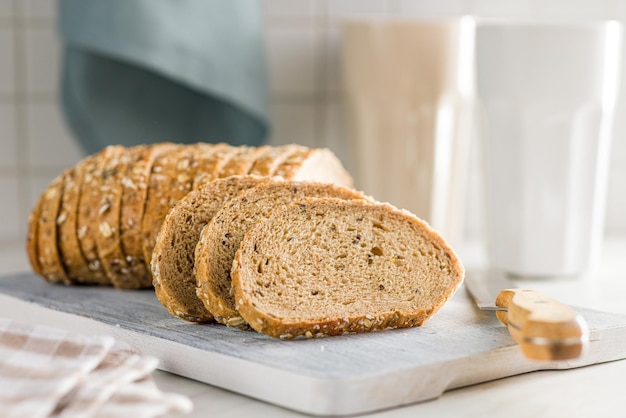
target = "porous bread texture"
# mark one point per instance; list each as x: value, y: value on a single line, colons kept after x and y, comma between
x: 221, y: 237
x: 173, y: 257
x: 325, y: 267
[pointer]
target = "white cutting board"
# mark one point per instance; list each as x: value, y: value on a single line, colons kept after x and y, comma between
x: 343, y: 375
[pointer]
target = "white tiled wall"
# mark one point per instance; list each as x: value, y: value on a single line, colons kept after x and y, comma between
x: 302, y: 45
x: 35, y: 144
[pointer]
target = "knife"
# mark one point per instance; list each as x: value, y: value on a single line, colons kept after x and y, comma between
x: 544, y: 328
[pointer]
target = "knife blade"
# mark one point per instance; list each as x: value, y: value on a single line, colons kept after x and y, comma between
x: 544, y: 328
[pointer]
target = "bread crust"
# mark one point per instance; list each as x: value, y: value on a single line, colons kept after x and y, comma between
x: 268, y: 163
x: 210, y: 163
x: 170, y: 180
x: 241, y: 162
x: 134, y: 194
x: 69, y: 244
x: 88, y: 207
x: 108, y: 237
x: 172, y: 263
x: 314, y: 324
x: 52, y: 268
x: 288, y: 168
x: 222, y: 235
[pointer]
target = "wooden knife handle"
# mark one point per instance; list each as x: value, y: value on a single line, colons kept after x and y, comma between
x: 544, y: 328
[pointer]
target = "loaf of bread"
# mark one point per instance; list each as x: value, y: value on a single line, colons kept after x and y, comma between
x: 97, y: 222
x: 269, y: 238
x: 325, y: 266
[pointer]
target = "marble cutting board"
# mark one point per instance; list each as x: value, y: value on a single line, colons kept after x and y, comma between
x: 352, y: 374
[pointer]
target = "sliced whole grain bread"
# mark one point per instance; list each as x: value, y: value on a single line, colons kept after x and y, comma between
x: 328, y: 267
x: 52, y: 268
x: 210, y: 162
x: 222, y: 235
x: 290, y: 165
x: 173, y: 256
x: 69, y: 245
x: 314, y: 164
x: 134, y: 194
x: 171, y: 179
x: 322, y: 165
x: 88, y: 207
x: 108, y: 237
x: 267, y: 164
x: 153, y: 183
x: 241, y: 161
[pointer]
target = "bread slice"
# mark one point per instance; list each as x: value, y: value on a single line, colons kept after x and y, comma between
x: 171, y: 179
x: 210, y: 163
x: 134, y: 194
x: 89, y: 207
x: 290, y: 165
x: 221, y: 237
x: 108, y: 237
x: 266, y: 164
x: 317, y: 164
x: 241, y: 161
x: 322, y: 165
x: 173, y: 256
x: 52, y: 268
x: 69, y: 244
x: 328, y: 267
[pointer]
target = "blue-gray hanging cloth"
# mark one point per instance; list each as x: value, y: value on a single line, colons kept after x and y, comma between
x: 140, y: 71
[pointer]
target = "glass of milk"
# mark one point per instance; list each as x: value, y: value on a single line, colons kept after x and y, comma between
x: 546, y: 94
x: 409, y: 89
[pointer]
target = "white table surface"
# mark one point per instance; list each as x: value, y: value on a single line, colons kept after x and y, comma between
x: 594, y: 391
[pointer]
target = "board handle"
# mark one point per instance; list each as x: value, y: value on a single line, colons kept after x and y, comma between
x: 544, y: 328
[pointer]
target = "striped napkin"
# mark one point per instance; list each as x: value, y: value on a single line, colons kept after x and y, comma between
x: 48, y: 372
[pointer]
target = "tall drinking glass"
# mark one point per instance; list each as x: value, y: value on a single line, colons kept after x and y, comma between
x: 547, y: 93
x: 409, y: 91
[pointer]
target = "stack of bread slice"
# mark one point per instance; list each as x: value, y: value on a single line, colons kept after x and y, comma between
x: 97, y: 222
x: 294, y: 259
